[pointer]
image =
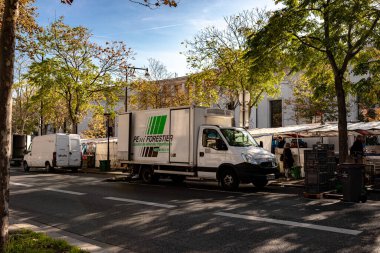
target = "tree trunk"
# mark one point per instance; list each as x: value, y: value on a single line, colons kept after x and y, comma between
x: 7, y: 56
x: 342, y: 118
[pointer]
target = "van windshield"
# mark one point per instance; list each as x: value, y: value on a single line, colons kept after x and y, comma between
x: 238, y: 137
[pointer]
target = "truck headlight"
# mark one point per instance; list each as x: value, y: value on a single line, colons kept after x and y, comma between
x: 248, y: 158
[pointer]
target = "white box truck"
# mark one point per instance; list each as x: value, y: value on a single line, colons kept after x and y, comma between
x: 19, y: 144
x: 54, y: 151
x: 192, y: 141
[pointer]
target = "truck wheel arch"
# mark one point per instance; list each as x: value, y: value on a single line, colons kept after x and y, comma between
x: 224, y: 166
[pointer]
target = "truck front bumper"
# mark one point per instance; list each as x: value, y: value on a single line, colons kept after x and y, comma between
x: 248, y: 172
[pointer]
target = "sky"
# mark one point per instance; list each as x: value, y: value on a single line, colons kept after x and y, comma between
x: 150, y: 33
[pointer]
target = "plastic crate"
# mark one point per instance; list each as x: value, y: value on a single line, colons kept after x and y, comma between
x: 317, y: 177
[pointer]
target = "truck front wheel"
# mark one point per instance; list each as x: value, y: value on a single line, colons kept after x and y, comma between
x: 229, y: 180
x: 260, y: 183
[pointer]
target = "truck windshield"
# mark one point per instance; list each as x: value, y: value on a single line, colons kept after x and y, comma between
x: 238, y: 137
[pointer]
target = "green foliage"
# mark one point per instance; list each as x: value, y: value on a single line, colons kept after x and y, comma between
x: 368, y: 88
x: 312, y: 102
x: 30, y: 242
x: 218, y: 56
x: 73, y: 74
x: 159, y: 90
x: 306, y: 34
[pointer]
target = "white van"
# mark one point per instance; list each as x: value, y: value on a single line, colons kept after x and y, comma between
x: 54, y: 151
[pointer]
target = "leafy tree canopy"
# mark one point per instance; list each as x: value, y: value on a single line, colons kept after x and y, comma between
x: 308, y: 32
x: 219, y: 54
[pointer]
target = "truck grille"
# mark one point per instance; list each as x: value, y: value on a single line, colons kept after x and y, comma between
x: 268, y: 164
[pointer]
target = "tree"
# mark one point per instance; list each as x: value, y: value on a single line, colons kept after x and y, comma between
x: 159, y: 90
x: 319, y: 31
x: 368, y: 88
x: 313, y: 98
x: 76, y: 71
x: 25, y: 112
x: 9, y: 23
x: 218, y: 56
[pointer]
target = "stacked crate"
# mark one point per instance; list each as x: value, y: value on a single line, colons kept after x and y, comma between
x: 320, y: 166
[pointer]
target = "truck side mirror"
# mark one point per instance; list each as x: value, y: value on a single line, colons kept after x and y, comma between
x: 220, y: 145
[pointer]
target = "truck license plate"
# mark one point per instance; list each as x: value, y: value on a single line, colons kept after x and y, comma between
x: 270, y: 177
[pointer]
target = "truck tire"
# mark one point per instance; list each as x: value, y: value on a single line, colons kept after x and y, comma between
x: 74, y: 170
x: 229, y: 180
x: 26, y: 167
x: 48, y: 168
x: 147, y: 175
x: 260, y: 184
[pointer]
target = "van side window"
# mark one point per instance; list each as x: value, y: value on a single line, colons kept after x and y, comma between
x: 210, y: 137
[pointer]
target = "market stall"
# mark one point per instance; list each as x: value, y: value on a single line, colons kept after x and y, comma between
x: 322, y: 133
x: 95, y: 150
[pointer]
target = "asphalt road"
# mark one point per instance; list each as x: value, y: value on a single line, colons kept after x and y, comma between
x: 193, y: 217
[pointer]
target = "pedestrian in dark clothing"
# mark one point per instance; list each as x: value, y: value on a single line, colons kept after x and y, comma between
x: 357, y: 150
x: 281, y: 142
x: 288, y: 160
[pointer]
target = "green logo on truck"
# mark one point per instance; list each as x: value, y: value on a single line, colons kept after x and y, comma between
x: 154, y: 141
x: 156, y: 124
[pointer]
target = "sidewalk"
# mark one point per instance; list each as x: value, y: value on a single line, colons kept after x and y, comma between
x: 56, y: 233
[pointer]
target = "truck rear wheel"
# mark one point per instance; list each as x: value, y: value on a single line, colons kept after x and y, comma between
x: 48, y: 168
x: 229, y: 180
x: 26, y: 167
x: 147, y: 175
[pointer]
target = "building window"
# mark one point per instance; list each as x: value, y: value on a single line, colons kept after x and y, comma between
x: 275, y: 113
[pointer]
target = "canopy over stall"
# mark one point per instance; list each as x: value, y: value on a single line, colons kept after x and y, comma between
x: 319, y: 130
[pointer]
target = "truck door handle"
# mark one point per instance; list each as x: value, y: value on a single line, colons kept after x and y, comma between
x: 201, y: 154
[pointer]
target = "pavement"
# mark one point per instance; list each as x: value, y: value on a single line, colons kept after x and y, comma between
x: 96, y: 246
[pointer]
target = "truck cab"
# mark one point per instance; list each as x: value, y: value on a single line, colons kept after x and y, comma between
x: 232, y: 156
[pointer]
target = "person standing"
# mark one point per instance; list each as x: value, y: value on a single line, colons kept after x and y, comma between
x: 288, y: 160
x: 357, y: 149
x: 281, y: 142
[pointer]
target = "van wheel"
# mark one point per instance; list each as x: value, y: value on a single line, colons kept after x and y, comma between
x: 48, y: 168
x: 147, y: 175
x: 26, y: 167
x: 260, y: 184
x: 229, y: 180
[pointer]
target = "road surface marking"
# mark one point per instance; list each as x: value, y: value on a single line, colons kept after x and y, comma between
x: 291, y: 223
x: 20, y: 184
x: 141, y: 202
x: 207, y: 190
x: 63, y: 191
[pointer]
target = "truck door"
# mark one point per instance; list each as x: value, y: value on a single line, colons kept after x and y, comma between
x: 180, y: 131
x: 212, y: 151
x: 62, y: 150
x: 75, y: 153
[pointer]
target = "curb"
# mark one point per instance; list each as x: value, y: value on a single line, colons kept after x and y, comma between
x: 73, y: 239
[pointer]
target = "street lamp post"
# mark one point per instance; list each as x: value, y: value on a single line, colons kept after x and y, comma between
x: 126, y: 80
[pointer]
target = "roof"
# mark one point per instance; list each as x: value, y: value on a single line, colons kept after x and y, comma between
x: 315, y: 130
